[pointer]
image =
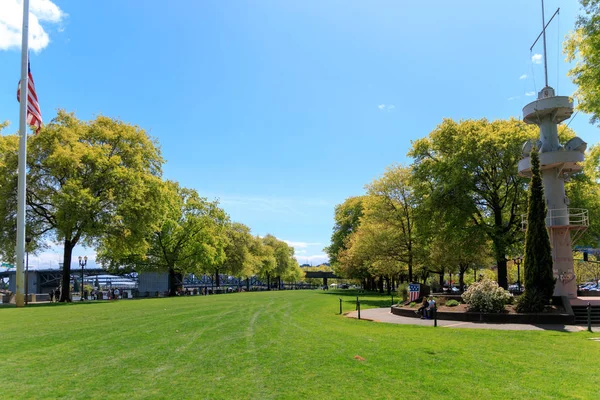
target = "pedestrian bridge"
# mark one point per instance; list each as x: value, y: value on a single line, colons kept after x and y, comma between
x: 321, y: 275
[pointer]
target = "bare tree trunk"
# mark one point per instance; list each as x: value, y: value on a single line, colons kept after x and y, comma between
x: 389, y: 287
x: 174, y: 279
x: 65, y: 292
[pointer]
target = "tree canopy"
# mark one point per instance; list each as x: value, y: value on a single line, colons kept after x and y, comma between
x: 88, y: 182
x: 583, y: 46
x: 471, y: 167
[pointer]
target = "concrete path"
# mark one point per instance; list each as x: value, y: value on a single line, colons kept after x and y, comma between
x: 384, y: 315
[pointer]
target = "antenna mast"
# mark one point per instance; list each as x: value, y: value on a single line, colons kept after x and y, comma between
x: 544, y: 33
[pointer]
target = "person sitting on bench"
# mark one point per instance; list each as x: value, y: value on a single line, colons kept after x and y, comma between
x: 422, y: 311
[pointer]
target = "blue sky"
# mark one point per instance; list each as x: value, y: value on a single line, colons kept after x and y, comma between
x: 282, y: 109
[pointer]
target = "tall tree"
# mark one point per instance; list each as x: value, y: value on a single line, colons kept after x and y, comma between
x: 539, y: 280
x: 189, y: 239
x: 583, y: 45
x: 346, y: 220
x: 239, y: 260
x: 89, y: 181
x: 583, y: 191
x: 471, y: 167
x: 267, y: 261
x: 284, y: 258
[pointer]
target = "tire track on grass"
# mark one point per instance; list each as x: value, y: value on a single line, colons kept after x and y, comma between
x: 259, y: 382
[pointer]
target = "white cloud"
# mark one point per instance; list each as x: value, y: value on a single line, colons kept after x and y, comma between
x: 301, y: 245
x: 513, y: 98
x: 272, y: 205
x: 536, y: 58
x: 11, y: 21
x: 529, y: 93
x: 300, y: 251
x: 524, y: 76
x: 386, y: 107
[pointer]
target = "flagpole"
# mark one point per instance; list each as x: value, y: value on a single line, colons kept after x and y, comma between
x: 20, y: 249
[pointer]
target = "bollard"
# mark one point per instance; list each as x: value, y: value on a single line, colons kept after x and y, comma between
x: 435, y: 316
x: 589, y: 310
x: 358, y: 307
x: 356, y: 303
x: 340, y: 306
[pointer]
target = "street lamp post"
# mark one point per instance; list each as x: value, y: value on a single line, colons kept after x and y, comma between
x: 27, y: 241
x: 82, y: 263
x: 518, y: 261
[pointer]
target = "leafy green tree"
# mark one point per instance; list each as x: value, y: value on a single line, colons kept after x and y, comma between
x: 346, y: 221
x: 9, y: 149
x: 583, y: 46
x: 583, y: 191
x: 539, y: 280
x: 460, y: 248
x: 88, y: 182
x: 382, y: 242
x: 267, y: 261
x: 190, y: 238
x: 239, y: 260
x: 284, y: 258
x: 471, y: 167
x: 586, y: 271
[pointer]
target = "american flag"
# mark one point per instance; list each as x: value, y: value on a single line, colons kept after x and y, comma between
x: 34, y: 115
x: 414, y: 290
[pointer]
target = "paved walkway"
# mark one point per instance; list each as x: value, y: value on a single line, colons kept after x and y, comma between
x: 384, y: 315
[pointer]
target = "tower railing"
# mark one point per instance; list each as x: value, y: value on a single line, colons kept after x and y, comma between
x: 573, y: 218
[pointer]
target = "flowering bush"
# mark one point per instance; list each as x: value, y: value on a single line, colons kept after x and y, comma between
x: 486, y: 296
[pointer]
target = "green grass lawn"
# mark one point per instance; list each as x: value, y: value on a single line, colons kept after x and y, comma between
x: 277, y: 345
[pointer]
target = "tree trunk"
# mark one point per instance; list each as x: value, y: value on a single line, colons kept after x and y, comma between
x: 218, y: 283
x: 442, y: 271
x: 389, y: 287
x: 462, y: 269
x: 410, y: 267
x: 500, y: 252
x: 247, y: 284
x: 65, y: 292
x: 279, y: 283
x: 173, y: 281
x: 380, y: 284
x: 268, y: 282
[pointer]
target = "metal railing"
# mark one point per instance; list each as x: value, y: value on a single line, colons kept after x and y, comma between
x: 573, y: 217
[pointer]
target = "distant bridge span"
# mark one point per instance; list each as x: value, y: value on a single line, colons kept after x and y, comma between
x: 321, y: 275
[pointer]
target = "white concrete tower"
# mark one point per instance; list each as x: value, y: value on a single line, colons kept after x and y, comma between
x: 557, y: 163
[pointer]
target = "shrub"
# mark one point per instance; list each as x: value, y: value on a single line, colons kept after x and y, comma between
x: 452, y: 303
x: 413, y: 304
x: 403, y: 291
x: 531, y: 301
x: 486, y: 296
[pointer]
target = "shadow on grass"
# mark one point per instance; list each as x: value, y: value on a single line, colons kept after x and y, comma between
x: 48, y: 304
x: 367, y: 299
